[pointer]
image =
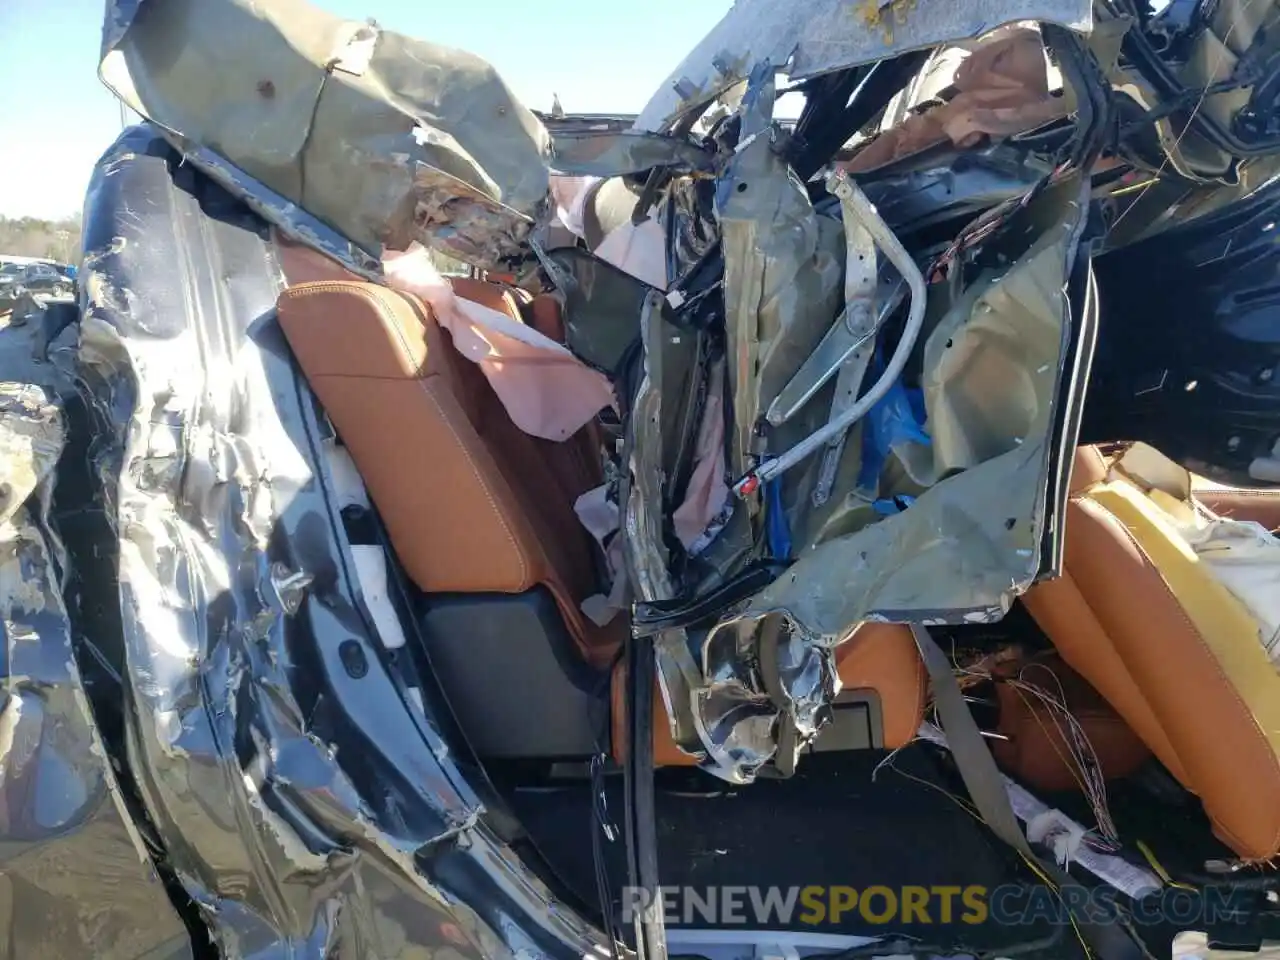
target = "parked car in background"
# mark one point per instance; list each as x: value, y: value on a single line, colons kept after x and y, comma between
x: 37, y: 278
x: 9, y: 276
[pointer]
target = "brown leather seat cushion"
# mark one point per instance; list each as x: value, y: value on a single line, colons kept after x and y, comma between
x: 1261, y: 505
x: 879, y: 657
x: 471, y: 503
x: 1036, y: 746
x: 1129, y: 614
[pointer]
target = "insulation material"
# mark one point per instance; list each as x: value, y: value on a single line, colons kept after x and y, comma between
x: 546, y: 390
x: 1001, y: 88
x: 1243, y: 556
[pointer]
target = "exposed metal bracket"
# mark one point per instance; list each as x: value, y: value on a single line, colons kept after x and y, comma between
x: 857, y: 209
x: 855, y: 325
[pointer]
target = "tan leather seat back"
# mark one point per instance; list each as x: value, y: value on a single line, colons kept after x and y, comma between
x: 470, y: 502
x: 879, y: 658
x: 1173, y: 652
x: 1258, y: 505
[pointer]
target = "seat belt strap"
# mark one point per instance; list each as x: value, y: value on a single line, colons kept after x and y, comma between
x: 1102, y: 929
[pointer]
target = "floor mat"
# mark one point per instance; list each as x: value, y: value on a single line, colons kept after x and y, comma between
x: 832, y: 825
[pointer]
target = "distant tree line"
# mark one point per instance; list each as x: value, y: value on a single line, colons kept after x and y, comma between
x: 60, y: 240
x: 31, y: 237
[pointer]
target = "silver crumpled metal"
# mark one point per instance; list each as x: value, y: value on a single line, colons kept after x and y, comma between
x: 66, y: 829
x: 305, y: 799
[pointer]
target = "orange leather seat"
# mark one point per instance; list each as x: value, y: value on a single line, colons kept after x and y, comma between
x: 470, y: 502
x: 879, y: 659
x: 1259, y: 505
x: 1176, y: 654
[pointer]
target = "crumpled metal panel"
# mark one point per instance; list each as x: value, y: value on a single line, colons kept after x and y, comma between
x: 783, y: 275
x: 31, y: 437
x: 384, y: 138
x: 782, y: 287
x: 292, y: 219
x: 783, y: 267
x: 993, y: 369
x: 805, y: 38
x: 306, y: 801
x: 646, y: 553
x: 967, y: 546
x: 77, y: 878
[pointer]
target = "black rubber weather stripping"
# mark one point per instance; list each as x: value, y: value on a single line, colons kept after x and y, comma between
x: 1084, y: 308
x: 1095, y: 107
x: 835, y: 121
x: 652, y: 618
x: 640, y: 828
x: 1138, y: 48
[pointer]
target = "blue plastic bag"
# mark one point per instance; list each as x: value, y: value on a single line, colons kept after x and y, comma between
x: 897, y: 418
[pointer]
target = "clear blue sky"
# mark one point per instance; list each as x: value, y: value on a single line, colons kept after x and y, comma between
x: 598, y: 55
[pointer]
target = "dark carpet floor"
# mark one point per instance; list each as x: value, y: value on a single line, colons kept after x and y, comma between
x: 830, y: 825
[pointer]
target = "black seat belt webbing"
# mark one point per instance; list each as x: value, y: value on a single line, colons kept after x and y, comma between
x: 1102, y: 929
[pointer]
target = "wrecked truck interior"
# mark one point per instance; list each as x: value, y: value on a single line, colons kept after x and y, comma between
x: 883, y: 498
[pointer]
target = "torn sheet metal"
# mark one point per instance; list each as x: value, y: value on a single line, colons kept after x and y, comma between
x: 65, y: 830
x: 688, y: 217
x: 707, y: 494
x: 31, y: 438
x: 384, y: 138
x: 783, y: 268
x: 782, y: 279
x: 767, y: 691
x: 811, y: 37
x: 296, y: 777
x: 646, y: 555
x: 970, y: 544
